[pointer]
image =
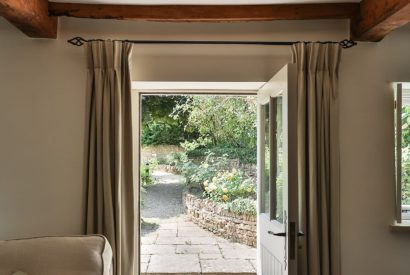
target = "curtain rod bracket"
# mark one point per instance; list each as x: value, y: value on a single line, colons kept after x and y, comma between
x: 79, y: 41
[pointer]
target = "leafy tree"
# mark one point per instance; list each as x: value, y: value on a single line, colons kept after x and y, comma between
x: 158, y: 127
x: 220, y: 120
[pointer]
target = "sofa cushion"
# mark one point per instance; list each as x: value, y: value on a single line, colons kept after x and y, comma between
x: 80, y: 255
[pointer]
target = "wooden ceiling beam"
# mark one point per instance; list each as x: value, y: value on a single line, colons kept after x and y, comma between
x: 377, y: 18
x: 371, y: 20
x: 30, y: 16
x: 206, y: 13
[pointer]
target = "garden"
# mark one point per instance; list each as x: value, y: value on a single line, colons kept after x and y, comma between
x: 216, y: 137
x: 405, y: 155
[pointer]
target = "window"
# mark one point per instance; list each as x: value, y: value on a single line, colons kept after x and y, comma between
x: 402, y: 150
x: 272, y: 172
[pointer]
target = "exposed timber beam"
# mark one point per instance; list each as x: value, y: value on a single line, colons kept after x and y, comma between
x: 30, y: 16
x: 371, y: 20
x: 377, y: 18
x: 206, y: 13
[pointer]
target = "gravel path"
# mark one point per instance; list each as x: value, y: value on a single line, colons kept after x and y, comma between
x: 164, y: 199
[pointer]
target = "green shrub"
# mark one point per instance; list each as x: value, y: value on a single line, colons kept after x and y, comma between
x: 228, y: 186
x: 161, y: 160
x: 158, y: 132
x: 245, y: 155
x: 405, y: 176
x: 241, y: 206
x: 146, y: 173
x: 220, y: 120
x: 207, y: 170
x: 187, y: 170
x: 176, y: 159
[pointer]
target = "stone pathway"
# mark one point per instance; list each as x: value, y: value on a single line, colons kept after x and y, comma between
x: 171, y: 244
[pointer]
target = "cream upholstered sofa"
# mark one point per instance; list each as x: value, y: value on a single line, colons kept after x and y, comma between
x: 76, y: 255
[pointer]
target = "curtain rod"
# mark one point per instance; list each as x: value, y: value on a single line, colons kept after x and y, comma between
x: 345, y: 44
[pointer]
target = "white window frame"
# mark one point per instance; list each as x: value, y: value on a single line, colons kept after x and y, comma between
x: 402, y: 222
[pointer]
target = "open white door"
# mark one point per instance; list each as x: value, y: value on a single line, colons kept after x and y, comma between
x: 277, y: 175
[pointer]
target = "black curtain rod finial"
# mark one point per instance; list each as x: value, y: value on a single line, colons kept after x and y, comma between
x: 79, y: 41
x: 347, y: 43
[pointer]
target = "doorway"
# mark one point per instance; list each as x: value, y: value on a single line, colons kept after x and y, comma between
x: 189, y: 184
x: 182, y: 237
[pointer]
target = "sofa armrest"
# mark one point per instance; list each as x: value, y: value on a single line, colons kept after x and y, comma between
x: 80, y: 255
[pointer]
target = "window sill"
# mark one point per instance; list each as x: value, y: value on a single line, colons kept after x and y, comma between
x: 404, y: 226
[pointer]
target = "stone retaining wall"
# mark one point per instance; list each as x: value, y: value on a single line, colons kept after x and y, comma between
x: 158, y: 151
x: 166, y: 168
x: 210, y: 216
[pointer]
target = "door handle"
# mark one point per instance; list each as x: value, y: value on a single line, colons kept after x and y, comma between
x: 283, y: 234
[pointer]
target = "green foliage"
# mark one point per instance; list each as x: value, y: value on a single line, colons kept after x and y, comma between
x: 223, y: 125
x: 241, y: 206
x: 228, y: 186
x: 405, y: 177
x: 176, y: 158
x: 158, y: 127
x: 220, y: 120
x: 146, y: 169
x: 146, y: 173
x: 159, y: 107
x: 230, y: 189
x: 157, y: 132
x: 245, y: 155
x: 187, y: 170
x: 195, y: 174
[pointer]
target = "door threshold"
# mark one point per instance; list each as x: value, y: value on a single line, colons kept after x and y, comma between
x: 199, y: 273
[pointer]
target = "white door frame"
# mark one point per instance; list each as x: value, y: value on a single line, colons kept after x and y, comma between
x: 228, y: 88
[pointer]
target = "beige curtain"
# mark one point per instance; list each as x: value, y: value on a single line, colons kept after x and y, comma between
x: 110, y: 197
x: 318, y: 157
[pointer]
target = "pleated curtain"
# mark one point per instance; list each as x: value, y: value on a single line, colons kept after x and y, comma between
x: 318, y: 157
x: 110, y: 190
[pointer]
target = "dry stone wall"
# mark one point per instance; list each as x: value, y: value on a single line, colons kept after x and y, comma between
x: 210, y: 216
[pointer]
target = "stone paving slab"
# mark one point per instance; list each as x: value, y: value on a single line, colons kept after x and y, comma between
x: 248, y: 254
x: 173, y: 245
x: 173, y: 240
x: 197, y: 249
x: 224, y: 266
x: 193, y: 232
x: 145, y: 258
x: 144, y: 267
x: 167, y: 232
x: 152, y: 249
x: 216, y: 256
x: 254, y: 264
x: 174, y: 264
x: 202, y: 240
x: 188, y: 249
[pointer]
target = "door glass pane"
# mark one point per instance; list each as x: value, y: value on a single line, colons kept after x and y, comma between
x: 277, y: 159
x: 272, y: 160
x: 265, y: 198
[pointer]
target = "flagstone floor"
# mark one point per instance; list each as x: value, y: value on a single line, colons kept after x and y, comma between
x: 171, y: 244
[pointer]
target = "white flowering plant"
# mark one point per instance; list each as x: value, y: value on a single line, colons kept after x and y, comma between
x: 229, y: 185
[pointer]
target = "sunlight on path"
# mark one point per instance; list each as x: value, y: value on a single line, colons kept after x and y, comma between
x: 171, y: 244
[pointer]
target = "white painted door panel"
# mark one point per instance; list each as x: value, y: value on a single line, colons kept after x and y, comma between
x: 277, y: 174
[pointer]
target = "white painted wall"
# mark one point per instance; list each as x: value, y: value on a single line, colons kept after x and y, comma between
x: 367, y: 157
x: 42, y: 110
